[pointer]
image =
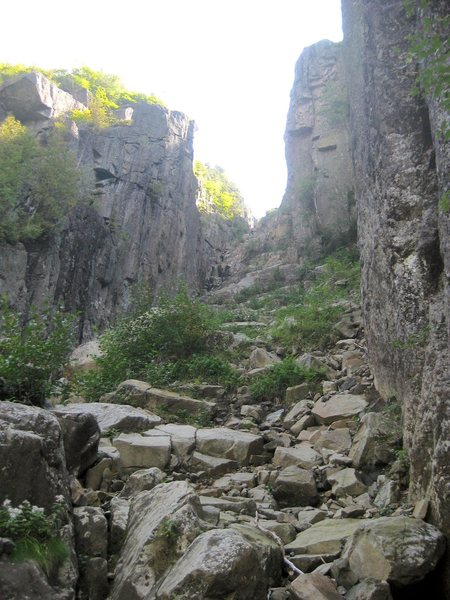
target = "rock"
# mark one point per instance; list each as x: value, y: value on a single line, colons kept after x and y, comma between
x: 182, y: 439
x: 273, y: 418
x: 218, y: 563
x: 26, y: 581
x: 421, y: 509
x: 301, y: 408
x: 139, y: 451
x: 352, y: 360
x: 94, y: 475
x: 261, y: 358
x: 94, y: 578
x: 31, y: 444
x: 81, y: 436
x: 230, y: 503
x: 299, y: 392
x: 112, y: 417
x: 325, y: 537
x: 144, y: 479
x: 339, y: 406
x: 310, y: 516
x: 302, y: 456
x: 228, y: 443
x: 313, y: 586
x: 350, y: 324
x: 119, y: 509
x: 388, y: 492
x: 370, y: 447
x: 83, y: 357
x: 254, y: 412
x: 285, y: 531
x: 347, y: 483
x: 91, y: 531
x: 338, y: 440
x: 295, y: 487
x: 370, y: 589
x: 162, y: 524
x: 141, y: 394
x: 303, y: 423
x: 399, y: 550
x: 212, y: 465
x: 32, y: 97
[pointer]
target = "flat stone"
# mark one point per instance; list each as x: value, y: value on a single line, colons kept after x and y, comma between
x: 300, y: 392
x: 297, y: 411
x: 338, y: 440
x: 231, y: 503
x: 301, y: 456
x: 182, y: 438
x: 138, y: 451
x: 211, y: 464
x: 120, y: 417
x: 339, y: 406
x: 228, y: 443
x: 326, y: 537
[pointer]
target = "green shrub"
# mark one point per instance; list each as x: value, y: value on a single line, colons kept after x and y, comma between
x: 220, y: 195
x: 35, y: 534
x: 149, y: 344
x: 287, y: 373
x: 38, y: 184
x: 33, y: 353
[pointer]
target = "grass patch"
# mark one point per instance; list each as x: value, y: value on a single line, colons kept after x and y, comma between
x: 287, y: 373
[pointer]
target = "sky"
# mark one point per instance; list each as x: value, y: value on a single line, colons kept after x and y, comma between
x: 228, y: 64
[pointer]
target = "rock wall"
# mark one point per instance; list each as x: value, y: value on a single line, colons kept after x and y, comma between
x: 318, y: 206
x: 401, y: 172
x: 144, y: 227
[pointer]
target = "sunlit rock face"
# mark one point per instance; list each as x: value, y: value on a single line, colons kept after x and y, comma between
x: 143, y: 226
x: 401, y: 173
x: 318, y: 206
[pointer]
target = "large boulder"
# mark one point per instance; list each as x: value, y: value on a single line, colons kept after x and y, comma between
x: 375, y: 438
x: 313, y: 586
x: 228, y: 443
x: 162, y: 524
x: 326, y: 537
x: 302, y: 456
x: 111, y: 417
x: 295, y: 487
x: 339, y: 406
x: 33, y: 97
x: 399, y: 550
x: 81, y: 436
x: 138, y: 451
x: 218, y: 564
x: 26, y: 581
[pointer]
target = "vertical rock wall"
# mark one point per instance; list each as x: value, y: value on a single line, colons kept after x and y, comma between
x: 401, y: 172
x: 318, y: 206
x: 144, y: 226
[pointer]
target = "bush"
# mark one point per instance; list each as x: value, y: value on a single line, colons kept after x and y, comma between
x: 150, y: 344
x: 38, y: 184
x: 34, y: 533
x: 273, y: 383
x: 33, y: 354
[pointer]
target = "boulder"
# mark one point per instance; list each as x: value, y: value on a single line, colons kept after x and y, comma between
x: 399, y: 550
x: 81, y: 436
x: 325, y: 537
x: 139, y: 481
x: 119, y: 511
x: 300, y: 392
x: 228, y: 443
x: 211, y: 464
x: 301, y: 408
x: 338, y: 440
x: 350, y: 324
x: 302, y: 456
x: 139, y: 451
x: 374, y: 440
x: 234, y: 504
x: 110, y: 417
x: 91, y: 531
x: 313, y: 586
x: 339, y: 406
x: 162, y: 524
x: 32, y: 97
x: 142, y: 395
x: 182, y: 438
x: 261, y: 358
x: 32, y: 456
x: 219, y: 563
x: 26, y: 581
x: 370, y: 589
x: 295, y: 487
x: 83, y: 357
x: 346, y: 483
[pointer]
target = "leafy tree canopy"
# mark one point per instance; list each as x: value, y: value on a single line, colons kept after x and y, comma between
x: 217, y: 193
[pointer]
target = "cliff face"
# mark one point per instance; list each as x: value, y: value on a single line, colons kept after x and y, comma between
x: 144, y: 228
x: 318, y: 206
x: 401, y: 172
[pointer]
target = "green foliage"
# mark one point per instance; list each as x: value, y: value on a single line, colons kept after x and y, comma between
x: 38, y: 183
x: 220, y: 195
x: 430, y: 48
x: 34, y: 533
x: 305, y: 189
x: 444, y: 203
x: 287, y: 373
x: 415, y: 340
x: 309, y: 324
x: 33, y: 353
x: 150, y: 343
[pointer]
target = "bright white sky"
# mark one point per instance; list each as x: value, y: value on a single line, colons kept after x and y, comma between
x: 228, y: 64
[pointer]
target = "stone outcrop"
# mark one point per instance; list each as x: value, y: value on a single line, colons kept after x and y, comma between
x: 401, y: 167
x: 144, y: 226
